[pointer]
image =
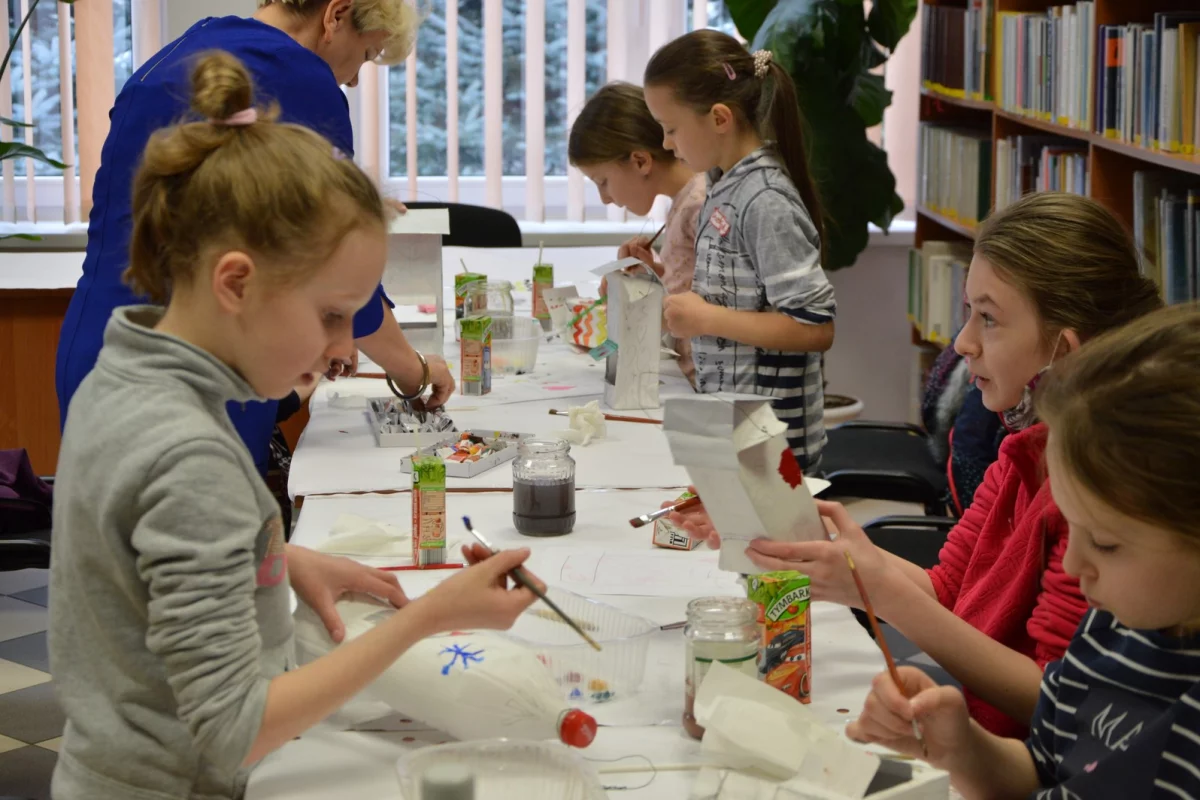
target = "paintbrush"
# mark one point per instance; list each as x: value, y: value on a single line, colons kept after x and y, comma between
x: 522, y: 577
x: 646, y: 519
x: 610, y: 417
x: 887, y: 653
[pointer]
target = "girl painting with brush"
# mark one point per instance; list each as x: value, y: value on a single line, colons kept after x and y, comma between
x: 618, y: 145
x: 1119, y: 715
x: 1049, y: 273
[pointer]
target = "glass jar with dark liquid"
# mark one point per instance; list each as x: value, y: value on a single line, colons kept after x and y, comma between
x: 544, y: 488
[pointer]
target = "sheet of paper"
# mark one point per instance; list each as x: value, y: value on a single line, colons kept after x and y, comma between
x: 421, y: 220
x: 557, y: 303
x: 655, y: 573
x: 620, y: 264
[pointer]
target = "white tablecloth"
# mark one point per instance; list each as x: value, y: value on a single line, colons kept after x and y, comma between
x: 329, y: 762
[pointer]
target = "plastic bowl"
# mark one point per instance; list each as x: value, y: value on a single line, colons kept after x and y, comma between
x: 514, y: 344
x: 505, y: 770
x: 587, y: 676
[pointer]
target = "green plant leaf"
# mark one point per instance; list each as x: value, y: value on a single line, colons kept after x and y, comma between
x: 18, y: 150
x: 748, y: 15
x: 29, y: 237
x: 12, y: 45
x: 890, y: 20
x: 869, y: 98
x: 12, y: 123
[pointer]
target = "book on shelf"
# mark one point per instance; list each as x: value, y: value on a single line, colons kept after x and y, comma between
x: 937, y: 274
x: 955, y: 172
x: 1044, y: 63
x: 1176, y: 80
x: 954, y: 49
x: 1166, y: 231
x: 1027, y: 164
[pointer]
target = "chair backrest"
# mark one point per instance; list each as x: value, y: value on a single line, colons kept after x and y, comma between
x: 477, y: 226
x: 916, y: 539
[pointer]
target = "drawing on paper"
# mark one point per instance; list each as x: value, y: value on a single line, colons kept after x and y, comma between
x: 462, y: 652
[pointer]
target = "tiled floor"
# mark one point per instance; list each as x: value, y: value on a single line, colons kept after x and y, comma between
x: 30, y: 719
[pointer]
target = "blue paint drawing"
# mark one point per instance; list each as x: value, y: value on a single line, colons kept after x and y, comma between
x: 460, y: 651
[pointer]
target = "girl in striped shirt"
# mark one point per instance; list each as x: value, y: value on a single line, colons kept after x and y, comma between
x: 1119, y: 714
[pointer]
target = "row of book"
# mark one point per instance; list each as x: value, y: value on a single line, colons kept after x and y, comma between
x: 936, y: 280
x: 1138, y: 83
x: 1045, y: 60
x: 954, y: 49
x: 955, y: 172
x: 1027, y: 164
x: 1166, y: 230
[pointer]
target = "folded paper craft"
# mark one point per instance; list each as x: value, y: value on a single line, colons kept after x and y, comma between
x: 634, y: 308
x: 736, y: 454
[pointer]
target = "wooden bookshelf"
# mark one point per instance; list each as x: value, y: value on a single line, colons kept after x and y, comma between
x: 1111, y: 163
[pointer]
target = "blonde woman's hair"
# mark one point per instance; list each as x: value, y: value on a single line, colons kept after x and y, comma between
x: 1123, y: 414
x: 613, y: 125
x: 280, y: 192
x: 1072, y: 258
x: 398, y: 18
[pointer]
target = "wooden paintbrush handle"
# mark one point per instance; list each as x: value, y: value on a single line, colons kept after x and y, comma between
x: 619, y: 418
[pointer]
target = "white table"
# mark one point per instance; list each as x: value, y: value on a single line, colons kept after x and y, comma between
x: 330, y: 762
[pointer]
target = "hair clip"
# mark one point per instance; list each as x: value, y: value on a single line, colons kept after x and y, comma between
x: 338, y: 155
x: 729, y: 71
x: 247, y: 116
x: 762, y: 63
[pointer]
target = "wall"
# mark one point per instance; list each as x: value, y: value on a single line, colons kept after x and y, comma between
x: 182, y: 14
x: 872, y: 356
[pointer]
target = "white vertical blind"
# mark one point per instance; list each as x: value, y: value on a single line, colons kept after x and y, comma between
x: 452, y: 98
x: 369, y: 151
x: 95, y: 84
x: 147, y: 30
x: 410, y: 129
x: 617, y: 66
x: 535, y: 110
x: 6, y: 132
x: 493, y: 100
x: 699, y: 14
x: 66, y: 80
x: 576, y: 89
x: 664, y: 24
x: 27, y: 92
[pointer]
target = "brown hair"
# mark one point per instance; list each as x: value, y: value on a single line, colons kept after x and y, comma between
x: 280, y: 192
x: 1123, y: 414
x: 397, y: 17
x: 1072, y: 258
x: 613, y: 124
x: 695, y: 67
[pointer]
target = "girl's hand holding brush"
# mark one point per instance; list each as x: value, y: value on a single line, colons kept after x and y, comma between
x: 695, y: 522
x: 481, y: 596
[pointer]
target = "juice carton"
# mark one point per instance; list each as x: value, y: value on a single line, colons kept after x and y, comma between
x: 428, y: 511
x: 669, y: 536
x: 476, y: 355
x: 543, y: 278
x: 785, y: 660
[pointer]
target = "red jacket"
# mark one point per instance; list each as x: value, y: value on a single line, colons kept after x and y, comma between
x: 1001, y: 568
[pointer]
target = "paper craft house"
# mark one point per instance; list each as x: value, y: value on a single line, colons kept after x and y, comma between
x: 736, y: 454
x: 413, y: 276
x: 634, y: 308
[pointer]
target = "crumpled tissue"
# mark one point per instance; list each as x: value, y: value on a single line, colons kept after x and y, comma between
x: 587, y: 423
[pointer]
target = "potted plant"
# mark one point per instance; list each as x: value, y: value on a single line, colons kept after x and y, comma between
x: 10, y: 150
x: 830, y: 48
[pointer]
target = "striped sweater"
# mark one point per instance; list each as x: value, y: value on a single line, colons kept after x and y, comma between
x: 1119, y: 716
x: 758, y: 250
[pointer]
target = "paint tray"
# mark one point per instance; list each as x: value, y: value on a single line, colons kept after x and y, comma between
x: 388, y: 434
x: 467, y: 469
x: 587, y: 676
x: 504, y: 770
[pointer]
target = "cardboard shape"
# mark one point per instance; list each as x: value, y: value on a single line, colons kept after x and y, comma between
x: 413, y: 275
x: 634, y: 322
x: 736, y: 454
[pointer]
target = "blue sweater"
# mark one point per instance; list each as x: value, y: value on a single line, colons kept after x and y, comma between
x: 1119, y: 716
x: 157, y: 96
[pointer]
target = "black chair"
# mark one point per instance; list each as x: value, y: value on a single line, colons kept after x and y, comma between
x: 477, y: 226
x: 884, y: 461
x: 915, y: 539
x: 24, y: 534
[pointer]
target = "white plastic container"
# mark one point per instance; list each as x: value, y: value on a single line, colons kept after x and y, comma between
x: 514, y: 344
x: 587, y: 676
x: 506, y: 770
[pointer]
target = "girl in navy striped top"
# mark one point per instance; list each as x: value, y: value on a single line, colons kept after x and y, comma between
x: 1119, y: 714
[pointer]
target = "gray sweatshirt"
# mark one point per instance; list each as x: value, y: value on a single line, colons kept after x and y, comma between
x: 169, y: 609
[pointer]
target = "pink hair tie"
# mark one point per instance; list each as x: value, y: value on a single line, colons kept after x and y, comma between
x: 729, y: 70
x: 247, y: 116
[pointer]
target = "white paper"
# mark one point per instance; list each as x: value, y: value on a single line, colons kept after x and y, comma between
x: 558, y: 304
x: 621, y: 264
x: 635, y: 325
x: 752, y: 726
x: 735, y: 451
x: 655, y: 572
x: 421, y: 221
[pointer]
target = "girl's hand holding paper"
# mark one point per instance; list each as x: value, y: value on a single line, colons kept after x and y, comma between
x: 940, y: 711
x: 320, y: 580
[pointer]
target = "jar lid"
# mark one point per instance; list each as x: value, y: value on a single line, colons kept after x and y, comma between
x: 718, y: 610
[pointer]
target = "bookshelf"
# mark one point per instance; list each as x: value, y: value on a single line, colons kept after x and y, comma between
x: 1030, y: 78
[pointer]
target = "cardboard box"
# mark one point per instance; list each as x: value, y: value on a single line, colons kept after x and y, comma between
x: 634, y: 320
x: 413, y: 274
x: 667, y: 535
x: 736, y: 454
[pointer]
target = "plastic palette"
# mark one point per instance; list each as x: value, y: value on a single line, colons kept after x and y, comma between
x: 585, y: 675
x: 505, y: 770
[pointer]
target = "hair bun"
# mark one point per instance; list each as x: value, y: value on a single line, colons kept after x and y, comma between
x: 221, y: 86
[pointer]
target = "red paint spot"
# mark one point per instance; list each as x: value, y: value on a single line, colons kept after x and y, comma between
x: 558, y: 388
x: 789, y: 469
x: 409, y: 739
x: 843, y: 711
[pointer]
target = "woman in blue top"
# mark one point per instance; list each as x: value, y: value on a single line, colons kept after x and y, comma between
x: 299, y: 53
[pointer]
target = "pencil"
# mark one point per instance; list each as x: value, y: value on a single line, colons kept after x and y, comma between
x: 887, y: 653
